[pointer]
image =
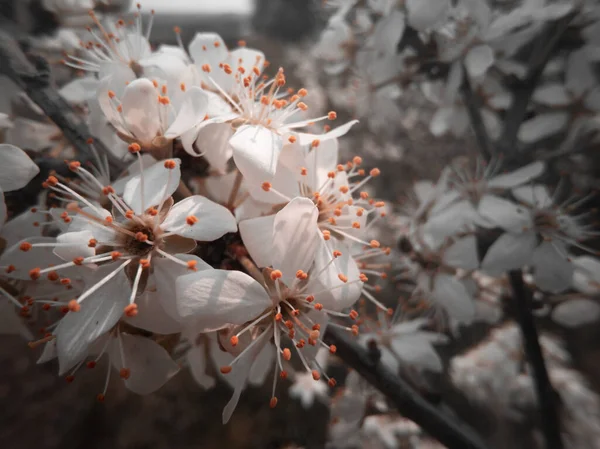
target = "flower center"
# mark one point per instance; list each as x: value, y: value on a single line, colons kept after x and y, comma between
x: 145, y: 236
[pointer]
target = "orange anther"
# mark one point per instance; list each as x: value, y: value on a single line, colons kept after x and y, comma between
x: 342, y: 278
x: 234, y: 340
x: 302, y: 106
x: 332, y: 115
x: 51, y: 181
x: 191, y: 220
x: 357, y: 160
x: 375, y: 172
x: 74, y: 306
x: 363, y: 277
x: 134, y: 147
x: 315, y: 143
x: 131, y: 310
x: 145, y: 263
x: 129, y: 214
x: 354, y: 330
x: 318, y: 306
x: 25, y: 246
x: 273, y: 402
x: 74, y: 165
x: 124, y: 373
x: 344, y: 189
x: 332, y: 382
x: 316, y: 375
x: 303, y: 171
x: 53, y: 276
x: 337, y: 253
x: 266, y: 186
x: 191, y: 265
x: 141, y: 237
x: 353, y: 314
x: 310, y: 298
x: 115, y: 255
x: 170, y: 164
x: 332, y: 349
x: 287, y: 354
x: 34, y: 274
x: 111, y: 94
x: 276, y: 274
x: 225, y: 369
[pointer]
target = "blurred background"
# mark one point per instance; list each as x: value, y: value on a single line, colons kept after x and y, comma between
x: 40, y: 410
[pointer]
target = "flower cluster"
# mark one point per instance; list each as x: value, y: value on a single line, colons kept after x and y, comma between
x: 118, y: 267
x: 215, y: 223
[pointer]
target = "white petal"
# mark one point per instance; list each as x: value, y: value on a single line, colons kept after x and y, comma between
x: 80, y: 245
x: 149, y: 363
x: 295, y: 238
x: 152, y: 316
x: 416, y: 350
x: 576, y: 312
x: 165, y: 275
x: 257, y: 235
x: 319, y: 162
x: 208, y: 48
x: 37, y: 257
x: 335, y: 294
x: 196, y: 358
x: 452, y: 294
x: 518, y: 177
x: 159, y: 184
x: 505, y: 213
x: 388, y: 32
x: 214, y: 220
x: 240, y: 372
x: 80, y: 90
x: 26, y: 225
x: 509, y: 252
x: 191, y: 112
x: 454, y: 218
x: 49, y: 353
x: 479, y: 59
x: 553, y: 94
x: 586, y: 278
x: 425, y: 14
x: 141, y: 110
x: 214, y: 298
x: 255, y: 152
x: 284, y: 181
x: 16, y: 169
x: 542, y: 126
x: 335, y: 133
x: 262, y: 366
x: 463, y: 254
x: 213, y: 143
x: 536, y: 195
x: 553, y: 270
x: 98, y: 314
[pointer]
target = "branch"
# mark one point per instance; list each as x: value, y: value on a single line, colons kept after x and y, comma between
x: 447, y: 429
x: 33, y: 76
x: 541, y: 52
x: 546, y: 395
x: 473, y: 103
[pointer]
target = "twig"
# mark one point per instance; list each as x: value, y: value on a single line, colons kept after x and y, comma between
x: 546, y: 395
x: 449, y: 431
x: 473, y: 103
x: 540, y: 55
x: 33, y: 76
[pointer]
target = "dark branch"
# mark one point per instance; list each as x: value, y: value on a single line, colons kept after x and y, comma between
x: 542, y: 49
x: 548, y: 399
x: 32, y: 74
x: 473, y: 103
x: 447, y: 429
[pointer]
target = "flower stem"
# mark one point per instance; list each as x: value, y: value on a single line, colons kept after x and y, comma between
x: 234, y: 191
x: 447, y: 429
x: 547, y: 396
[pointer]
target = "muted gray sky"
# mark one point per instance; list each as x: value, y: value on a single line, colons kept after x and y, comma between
x: 198, y: 6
